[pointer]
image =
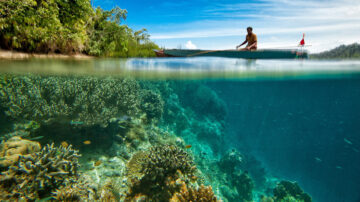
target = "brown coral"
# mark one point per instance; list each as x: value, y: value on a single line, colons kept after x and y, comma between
x: 154, y: 173
x: 37, y: 175
x: 15, y: 147
x: 164, y: 161
x: 78, y: 191
x: 203, y: 194
x: 134, y: 166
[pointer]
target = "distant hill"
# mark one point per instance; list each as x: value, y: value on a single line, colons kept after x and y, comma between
x: 342, y: 52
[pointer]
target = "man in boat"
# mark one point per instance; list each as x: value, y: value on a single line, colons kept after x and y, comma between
x: 251, y: 40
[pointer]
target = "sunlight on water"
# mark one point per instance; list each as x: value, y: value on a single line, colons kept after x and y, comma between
x: 183, y: 68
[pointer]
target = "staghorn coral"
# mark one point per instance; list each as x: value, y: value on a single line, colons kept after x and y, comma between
x: 39, y: 174
x: 290, y: 191
x: 12, y: 149
x: 152, y: 104
x: 202, y: 194
x: 86, y: 100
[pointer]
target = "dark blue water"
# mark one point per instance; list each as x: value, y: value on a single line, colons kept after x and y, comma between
x: 303, y: 130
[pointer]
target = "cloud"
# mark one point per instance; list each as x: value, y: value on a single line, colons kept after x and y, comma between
x: 190, y: 45
x: 327, y: 23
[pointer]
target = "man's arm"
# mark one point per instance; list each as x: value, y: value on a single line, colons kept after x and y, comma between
x: 241, y: 44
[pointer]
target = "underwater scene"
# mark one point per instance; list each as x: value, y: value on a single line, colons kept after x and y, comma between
x: 180, y: 129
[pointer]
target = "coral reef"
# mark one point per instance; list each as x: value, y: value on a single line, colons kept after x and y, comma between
x: 152, y: 104
x: 231, y: 161
x: 83, y: 100
x: 256, y: 170
x: 290, y: 191
x: 125, y: 130
x: 244, y: 186
x: 80, y: 190
x: 211, y: 132
x: 152, y: 172
x: 163, y: 161
x: 12, y: 149
x: 37, y: 175
x: 189, y: 194
x: 200, y: 98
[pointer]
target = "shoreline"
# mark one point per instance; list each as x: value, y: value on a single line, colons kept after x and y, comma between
x: 15, y: 55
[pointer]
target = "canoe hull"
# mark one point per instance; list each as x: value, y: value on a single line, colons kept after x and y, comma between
x: 258, y: 54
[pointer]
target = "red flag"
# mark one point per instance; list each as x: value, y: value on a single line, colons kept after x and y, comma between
x: 302, y: 42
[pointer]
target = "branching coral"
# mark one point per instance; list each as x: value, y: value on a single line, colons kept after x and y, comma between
x: 196, y: 195
x: 290, y: 191
x: 152, y: 171
x: 39, y: 174
x: 164, y: 161
x: 86, y: 100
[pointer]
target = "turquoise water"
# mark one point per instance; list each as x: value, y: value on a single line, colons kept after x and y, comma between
x: 246, y: 125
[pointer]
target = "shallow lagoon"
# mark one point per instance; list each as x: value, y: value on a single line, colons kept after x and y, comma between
x: 272, y: 120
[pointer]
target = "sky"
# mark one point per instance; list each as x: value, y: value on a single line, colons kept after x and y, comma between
x: 221, y: 24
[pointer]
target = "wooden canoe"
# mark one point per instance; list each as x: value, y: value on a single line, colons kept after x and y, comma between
x: 258, y: 54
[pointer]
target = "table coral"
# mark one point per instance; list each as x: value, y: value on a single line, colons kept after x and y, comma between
x: 86, y: 100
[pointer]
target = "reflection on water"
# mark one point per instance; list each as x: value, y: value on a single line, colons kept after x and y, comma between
x: 183, y: 68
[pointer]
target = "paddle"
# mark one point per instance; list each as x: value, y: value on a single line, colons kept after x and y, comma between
x: 211, y: 51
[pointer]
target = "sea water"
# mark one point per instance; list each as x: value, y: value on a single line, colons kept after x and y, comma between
x: 295, y: 120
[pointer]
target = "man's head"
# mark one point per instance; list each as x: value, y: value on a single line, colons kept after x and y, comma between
x: 249, y: 30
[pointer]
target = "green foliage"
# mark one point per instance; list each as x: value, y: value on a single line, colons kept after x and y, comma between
x: 341, y: 52
x: 109, y: 38
x: 69, y: 26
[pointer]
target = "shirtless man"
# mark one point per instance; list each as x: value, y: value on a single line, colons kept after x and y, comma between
x: 251, y: 40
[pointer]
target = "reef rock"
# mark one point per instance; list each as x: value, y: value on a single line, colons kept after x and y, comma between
x: 15, y: 147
